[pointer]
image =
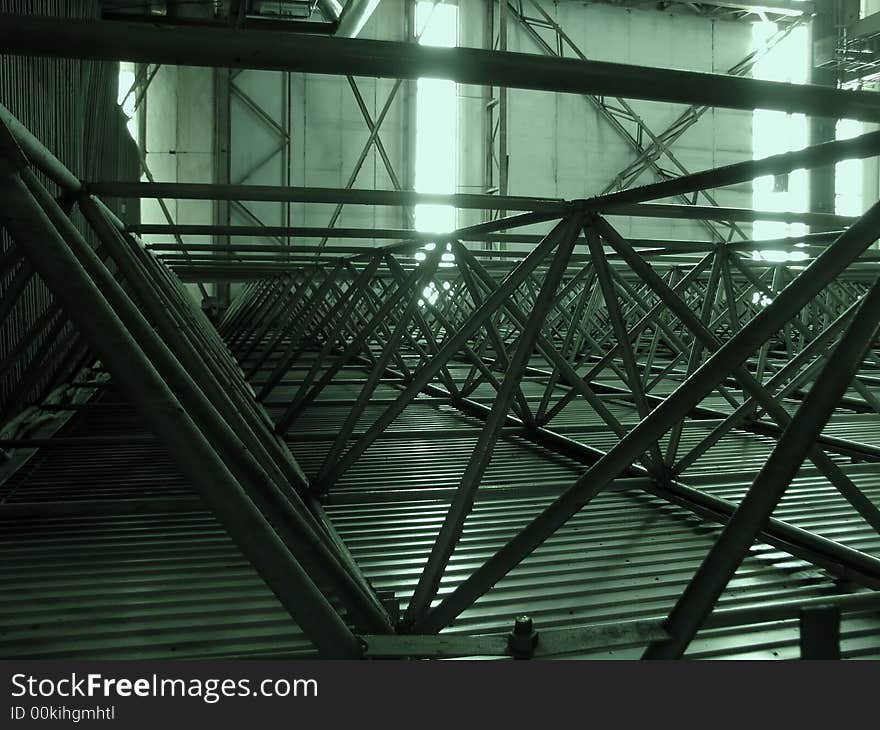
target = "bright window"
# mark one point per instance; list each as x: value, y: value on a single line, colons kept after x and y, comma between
x: 126, y: 99
x: 774, y: 132
x: 436, y: 122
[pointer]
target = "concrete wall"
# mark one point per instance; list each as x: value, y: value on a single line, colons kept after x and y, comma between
x: 558, y: 144
x: 327, y: 135
x: 179, y: 129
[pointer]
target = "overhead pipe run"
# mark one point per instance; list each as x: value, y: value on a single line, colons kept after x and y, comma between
x: 354, y: 17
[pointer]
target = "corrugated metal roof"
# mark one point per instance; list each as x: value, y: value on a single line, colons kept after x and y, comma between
x: 172, y: 584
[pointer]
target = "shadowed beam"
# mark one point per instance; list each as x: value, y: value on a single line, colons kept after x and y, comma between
x: 347, y: 196
x: 739, y: 534
x: 239, y: 48
x: 823, y: 270
x: 827, y: 153
x: 538, y: 208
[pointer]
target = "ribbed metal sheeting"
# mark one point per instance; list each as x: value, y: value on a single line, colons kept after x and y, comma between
x: 626, y: 556
x: 150, y: 574
x: 69, y: 105
x: 154, y: 575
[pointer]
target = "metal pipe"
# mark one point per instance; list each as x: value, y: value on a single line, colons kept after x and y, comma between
x: 424, y: 375
x: 733, y: 544
x: 808, y: 284
x: 354, y: 17
x: 348, y: 196
x: 137, y: 378
x: 463, y: 499
x: 39, y: 156
x: 827, y: 153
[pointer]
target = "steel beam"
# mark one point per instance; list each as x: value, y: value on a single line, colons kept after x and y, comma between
x: 827, y: 153
x: 730, y: 549
x: 788, y: 303
x: 138, y: 379
x: 100, y: 40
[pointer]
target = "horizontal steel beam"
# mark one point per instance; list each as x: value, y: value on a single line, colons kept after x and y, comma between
x: 346, y: 196
x: 810, y: 240
x: 717, y: 213
x: 234, y: 48
x: 551, y: 642
x: 552, y: 207
x: 259, y: 24
x: 826, y: 153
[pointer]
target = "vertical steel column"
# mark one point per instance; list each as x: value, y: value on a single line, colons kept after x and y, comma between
x: 822, y: 129
x: 820, y: 632
x: 222, y: 157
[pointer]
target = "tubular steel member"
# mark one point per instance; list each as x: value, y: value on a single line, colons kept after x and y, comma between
x: 493, y: 337
x: 261, y: 305
x: 137, y: 378
x: 308, y: 392
x: 255, y: 430
x: 202, y: 330
x: 537, y: 209
x: 698, y: 267
x: 750, y: 385
x: 696, y: 352
x: 827, y: 153
x: 256, y: 475
x: 796, y: 541
x: 450, y: 347
x: 286, y: 305
x: 299, y: 329
x: 39, y: 156
x: 618, y: 327
x: 756, y: 507
x: 175, y: 333
x: 220, y: 378
x: 241, y: 48
x: 815, y: 349
x: 415, y: 285
x: 465, y: 494
x: 543, y: 208
x: 297, y: 312
x: 307, y: 534
x: 578, y: 385
x: 344, y: 306
x: 824, y: 269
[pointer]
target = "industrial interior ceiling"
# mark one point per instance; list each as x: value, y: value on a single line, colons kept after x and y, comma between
x: 532, y: 437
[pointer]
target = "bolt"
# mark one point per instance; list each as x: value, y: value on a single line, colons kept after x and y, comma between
x: 523, y: 638
x: 522, y: 625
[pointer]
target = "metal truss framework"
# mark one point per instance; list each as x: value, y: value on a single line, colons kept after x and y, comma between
x: 697, y: 339
x: 579, y: 309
